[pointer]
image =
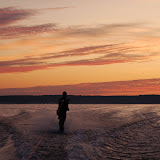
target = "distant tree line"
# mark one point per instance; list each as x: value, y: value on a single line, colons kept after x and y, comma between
x: 53, y: 99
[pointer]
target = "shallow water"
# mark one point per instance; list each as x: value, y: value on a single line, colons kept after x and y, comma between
x: 91, y: 132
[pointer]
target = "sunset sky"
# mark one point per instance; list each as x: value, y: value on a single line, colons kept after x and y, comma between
x: 86, y: 47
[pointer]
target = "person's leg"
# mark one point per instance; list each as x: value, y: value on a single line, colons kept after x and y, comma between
x: 64, y: 118
x: 62, y: 126
x: 61, y: 122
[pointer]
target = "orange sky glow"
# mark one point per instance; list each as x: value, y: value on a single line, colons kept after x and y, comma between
x: 99, y: 47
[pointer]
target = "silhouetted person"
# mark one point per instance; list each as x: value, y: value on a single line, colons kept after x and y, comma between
x: 62, y: 109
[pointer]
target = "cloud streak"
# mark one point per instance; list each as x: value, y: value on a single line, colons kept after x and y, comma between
x: 19, y: 31
x: 11, y: 15
x: 56, y: 8
x: 133, y: 87
x: 100, y: 30
x: 101, y: 55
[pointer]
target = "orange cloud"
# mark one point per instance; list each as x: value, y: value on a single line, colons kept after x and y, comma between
x: 134, y: 87
x: 105, y: 54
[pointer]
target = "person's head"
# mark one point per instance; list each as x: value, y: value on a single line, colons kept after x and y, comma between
x: 64, y: 94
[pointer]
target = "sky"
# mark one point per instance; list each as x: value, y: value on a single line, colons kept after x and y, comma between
x: 85, y: 47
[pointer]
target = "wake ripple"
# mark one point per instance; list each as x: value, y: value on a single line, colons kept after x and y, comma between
x: 138, y: 138
x: 135, y: 140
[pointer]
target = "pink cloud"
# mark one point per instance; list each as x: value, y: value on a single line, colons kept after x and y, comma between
x: 56, y: 8
x: 107, y: 54
x: 19, y: 31
x: 11, y: 15
x: 133, y: 87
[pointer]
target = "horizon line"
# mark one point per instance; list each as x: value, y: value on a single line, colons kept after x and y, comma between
x: 88, y: 95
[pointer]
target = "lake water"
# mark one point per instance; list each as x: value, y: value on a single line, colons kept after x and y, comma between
x: 92, y: 132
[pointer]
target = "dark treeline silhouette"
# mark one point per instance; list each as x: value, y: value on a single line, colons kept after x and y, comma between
x: 53, y: 99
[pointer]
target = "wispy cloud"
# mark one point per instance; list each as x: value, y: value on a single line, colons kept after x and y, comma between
x: 101, y: 55
x: 19, y: 31
x: 99, y: 30
x: 56, y: 8
x: 69, y: 53
x: 133, y: 87
x: 11, y: 15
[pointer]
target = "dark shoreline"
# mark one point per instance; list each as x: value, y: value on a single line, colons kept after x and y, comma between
x: 53, y: 99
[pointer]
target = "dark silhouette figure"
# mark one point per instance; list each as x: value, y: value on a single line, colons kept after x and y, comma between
x: 62, y: 109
